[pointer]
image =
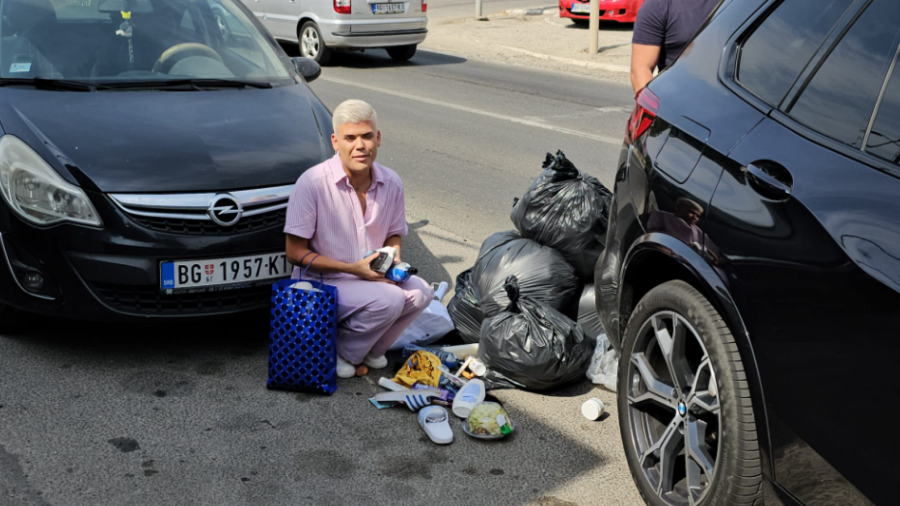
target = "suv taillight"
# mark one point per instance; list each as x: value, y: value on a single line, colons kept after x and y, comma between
x: 643, y: 115
x: 342, y: 6
x: 424, y: 5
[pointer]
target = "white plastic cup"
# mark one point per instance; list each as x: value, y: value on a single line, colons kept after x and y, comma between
x: 592, y: 409
x: 478, y: 367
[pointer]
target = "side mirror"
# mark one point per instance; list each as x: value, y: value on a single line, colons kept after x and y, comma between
x: 309, y: 69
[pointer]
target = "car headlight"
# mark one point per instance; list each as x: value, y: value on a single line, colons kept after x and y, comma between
x: 36, y: 192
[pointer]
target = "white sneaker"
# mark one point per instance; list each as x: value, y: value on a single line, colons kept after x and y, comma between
x: 376, y: 362
x: 345, y: 369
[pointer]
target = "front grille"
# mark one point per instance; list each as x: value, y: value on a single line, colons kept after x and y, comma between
x: 148, y: 300
x: 273, y: 219
x: 205, y: 213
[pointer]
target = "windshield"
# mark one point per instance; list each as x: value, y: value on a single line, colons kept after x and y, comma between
x: 131, y: 41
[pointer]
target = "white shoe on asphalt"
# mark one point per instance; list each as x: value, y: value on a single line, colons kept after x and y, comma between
x: 345, y: 369
x: 376, y: 362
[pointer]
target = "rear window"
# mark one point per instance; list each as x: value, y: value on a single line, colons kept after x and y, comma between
x: 779, y: 49
x: 840, y: 98
x: 884, y: 140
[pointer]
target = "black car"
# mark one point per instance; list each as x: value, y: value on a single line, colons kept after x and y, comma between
x: 751, y: 276
x: 147, y: 154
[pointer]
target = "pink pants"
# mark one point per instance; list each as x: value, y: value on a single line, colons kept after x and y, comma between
x: 372, y: 315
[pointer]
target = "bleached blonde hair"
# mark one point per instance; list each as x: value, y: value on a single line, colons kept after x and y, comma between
x: 353, y: 111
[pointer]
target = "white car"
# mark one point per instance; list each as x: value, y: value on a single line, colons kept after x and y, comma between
x: 323, y: 26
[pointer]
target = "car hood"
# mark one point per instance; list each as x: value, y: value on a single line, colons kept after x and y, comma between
x: 153, y: 141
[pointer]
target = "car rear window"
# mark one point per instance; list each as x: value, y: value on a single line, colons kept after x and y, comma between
x: 779, y: 49
x: 884, y: 140
x: 840, y: 98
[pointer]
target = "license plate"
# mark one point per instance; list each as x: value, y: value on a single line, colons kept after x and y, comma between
x: 222, y: 273
x: 581, y: 8
x: 388, y: 8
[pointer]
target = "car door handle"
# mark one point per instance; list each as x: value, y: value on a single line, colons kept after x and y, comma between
x: 775, y: 183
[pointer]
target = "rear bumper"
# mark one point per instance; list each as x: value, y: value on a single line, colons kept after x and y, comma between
x: 622, y: 12
x: 354, y: 34
x: 112, y: 274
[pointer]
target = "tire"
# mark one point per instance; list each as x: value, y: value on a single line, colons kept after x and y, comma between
x: 12, y: 321
x: 402, y: 53
x: 709, y: 410
x: 312, y: 45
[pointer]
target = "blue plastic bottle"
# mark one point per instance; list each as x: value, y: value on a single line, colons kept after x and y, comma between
x: 400, y: 272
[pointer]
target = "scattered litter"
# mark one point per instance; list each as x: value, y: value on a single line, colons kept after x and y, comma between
x: 433, y: 324
x: 472, y: 367
x: 468, y: 397
x: 390, y: 385
x: 533, y: 343
x: 604, y: 367
x: 413, y: 400
x: 435, y: 421
x: 442, y: 394
x: 488, y: 420
x: 592, y: 409
x: 422, y: 367
x: 567, y: 210
x: 462, y: 351
x: 380, y: 405
x: 447, y: 358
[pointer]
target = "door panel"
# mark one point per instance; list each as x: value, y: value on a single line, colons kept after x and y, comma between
x: 817, y: 279
x: 282, y: 17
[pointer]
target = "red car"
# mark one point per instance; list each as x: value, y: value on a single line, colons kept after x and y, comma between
x: 623, y: 11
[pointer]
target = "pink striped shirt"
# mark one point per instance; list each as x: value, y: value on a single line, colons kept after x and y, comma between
x: 324, y: 209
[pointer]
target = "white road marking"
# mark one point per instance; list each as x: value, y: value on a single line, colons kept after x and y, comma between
x: 502, y: 117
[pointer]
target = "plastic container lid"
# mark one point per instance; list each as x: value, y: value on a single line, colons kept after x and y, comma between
x: 592, y: 409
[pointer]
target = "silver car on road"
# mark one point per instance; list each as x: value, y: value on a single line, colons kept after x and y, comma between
x: 323, y: 26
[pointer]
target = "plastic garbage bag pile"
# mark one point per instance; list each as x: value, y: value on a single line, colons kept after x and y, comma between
x: 524, y: 300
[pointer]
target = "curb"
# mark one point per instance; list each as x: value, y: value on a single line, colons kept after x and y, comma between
x: 609, y: 67
x: 534, y: 11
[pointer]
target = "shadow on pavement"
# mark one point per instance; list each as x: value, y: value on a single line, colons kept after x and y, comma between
x: 178, y: 413
x: 378, y: 58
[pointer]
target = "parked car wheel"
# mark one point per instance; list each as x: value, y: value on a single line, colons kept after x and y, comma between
x: 12, y: 321
x: 402, y: 53
x: 684, y: 408
x: 312, y: 45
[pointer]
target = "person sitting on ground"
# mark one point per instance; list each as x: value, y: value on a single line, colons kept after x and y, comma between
x: 340, y: 210
x: 661, y: 31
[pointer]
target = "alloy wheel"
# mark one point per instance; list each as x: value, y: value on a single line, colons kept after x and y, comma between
x: 673, y: 409
x: 310, y: 42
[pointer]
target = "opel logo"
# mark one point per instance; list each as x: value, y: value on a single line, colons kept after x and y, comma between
x: 225, y: 210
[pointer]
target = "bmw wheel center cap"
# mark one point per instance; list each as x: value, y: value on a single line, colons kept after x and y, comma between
x: 682, y: 408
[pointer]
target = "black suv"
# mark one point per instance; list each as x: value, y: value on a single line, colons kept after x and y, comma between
x: 752, y: 269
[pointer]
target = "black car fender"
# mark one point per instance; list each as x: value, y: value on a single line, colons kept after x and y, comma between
x: 655, y: 258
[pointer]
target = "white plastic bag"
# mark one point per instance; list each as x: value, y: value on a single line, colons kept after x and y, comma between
x: 433, y: 324
x: 604, y: 366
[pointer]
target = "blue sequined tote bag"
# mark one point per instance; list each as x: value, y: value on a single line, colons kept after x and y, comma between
x: 303, y: 336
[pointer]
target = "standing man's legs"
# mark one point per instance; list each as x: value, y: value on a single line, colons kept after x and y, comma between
x: 372, y: 315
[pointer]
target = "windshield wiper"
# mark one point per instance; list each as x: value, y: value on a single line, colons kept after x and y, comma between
x: 185, y: 84
x: 50, y: 84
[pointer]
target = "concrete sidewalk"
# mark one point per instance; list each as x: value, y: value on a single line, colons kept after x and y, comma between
x: 535, y: 37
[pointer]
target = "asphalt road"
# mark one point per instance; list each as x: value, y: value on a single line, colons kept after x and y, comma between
x: 179, y: 415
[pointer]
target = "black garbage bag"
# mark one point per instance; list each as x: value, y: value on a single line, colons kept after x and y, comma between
x: 543, y: 274
x: 588, y: 319
x: 567, y: 210
x: 464, y: 309
x: 534, y: 344
x: 499, y: 239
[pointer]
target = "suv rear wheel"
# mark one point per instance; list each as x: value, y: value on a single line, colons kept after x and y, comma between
x: 684, y: 407
x: 312, y: 45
